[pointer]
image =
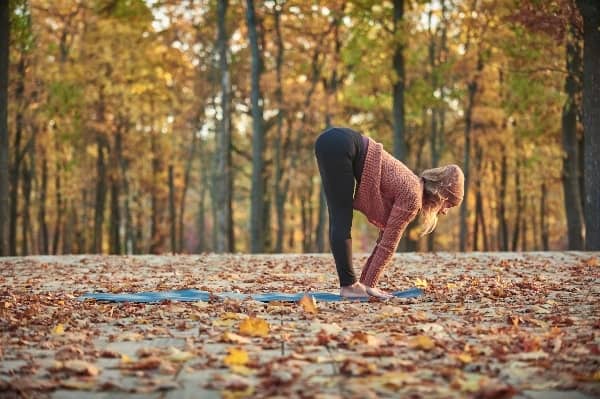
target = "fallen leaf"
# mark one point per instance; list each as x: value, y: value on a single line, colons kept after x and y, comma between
x: 309, y: 304
x: 422, y: 342
x: 254, y: 327
x: 234, y: 338
x: 81, y: 367
x: 80, y: 384
x: 179, y: 356
x: 236, y: 356
x: 59, y: 329
x: 421, y: 283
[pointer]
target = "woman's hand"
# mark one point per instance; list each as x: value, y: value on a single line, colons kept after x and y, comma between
x: 356, y: 290
x: 376, y: 292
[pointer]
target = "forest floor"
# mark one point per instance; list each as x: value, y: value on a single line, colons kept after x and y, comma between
x: 489, y: 325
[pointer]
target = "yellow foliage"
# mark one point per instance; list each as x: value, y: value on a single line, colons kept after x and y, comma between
x: 422, y: 342
x: 59, y: 329
x: 309, y: 304
x: 236, y: 357
x: 254, y: 327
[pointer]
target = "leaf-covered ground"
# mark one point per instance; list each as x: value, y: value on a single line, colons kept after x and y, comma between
x: 489, y: 326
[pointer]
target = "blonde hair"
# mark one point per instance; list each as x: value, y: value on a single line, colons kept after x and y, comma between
x: 441, y: 184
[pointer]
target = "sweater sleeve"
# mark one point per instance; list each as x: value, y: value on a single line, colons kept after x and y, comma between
x: 403, y: 212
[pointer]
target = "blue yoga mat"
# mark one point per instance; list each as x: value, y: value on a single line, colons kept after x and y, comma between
x: 196, y: 295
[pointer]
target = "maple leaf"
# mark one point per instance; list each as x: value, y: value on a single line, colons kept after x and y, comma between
x: 236, y: 356
x: 254, y: 327
x: 309, y: 304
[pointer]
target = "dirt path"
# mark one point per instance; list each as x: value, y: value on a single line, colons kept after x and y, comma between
x: 489, y: 326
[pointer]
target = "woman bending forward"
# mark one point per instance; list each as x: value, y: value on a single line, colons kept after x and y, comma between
x: 388, y: 193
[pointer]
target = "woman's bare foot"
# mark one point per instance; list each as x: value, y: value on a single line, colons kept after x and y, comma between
x: 376, y: 292
x: 356, y: 290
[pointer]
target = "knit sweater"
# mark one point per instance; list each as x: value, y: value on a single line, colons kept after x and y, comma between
x: 389, y: 195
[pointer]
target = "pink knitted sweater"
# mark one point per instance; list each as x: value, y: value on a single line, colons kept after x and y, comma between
x: 389, y: 194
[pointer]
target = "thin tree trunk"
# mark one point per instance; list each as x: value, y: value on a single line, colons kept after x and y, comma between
x: 502, y: 220
x: 42, y: 208
x: 257, y: 206
x: 115, y: 193
x: 400, y: 147
x: 472, y: 91
x: 100, y: 195
x: 172, y: 214
x: 59, y: 201
x: 186, y: 183
x: 519, y: 207
x: 4, y: 183
x: 570, y: 178
x: 15, y: 169
x: 278, y: 161
x: 223, y: 179
x: 26, y: 214
x: 590, y: 11
x: 154, y: 228
x: 543, y: 222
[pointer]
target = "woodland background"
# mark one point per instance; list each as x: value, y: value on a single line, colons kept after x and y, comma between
x: 133, y: 126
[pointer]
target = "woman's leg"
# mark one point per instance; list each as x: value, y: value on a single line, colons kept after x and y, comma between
x: 335, y: 151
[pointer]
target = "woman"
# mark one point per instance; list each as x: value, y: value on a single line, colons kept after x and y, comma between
x: 388, y: 193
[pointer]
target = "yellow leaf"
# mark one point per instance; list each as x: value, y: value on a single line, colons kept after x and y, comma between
x: 422, y: 342
x: 126, y: 359
x: 237, y: 394
x: 596, y: 376
x: 241, y: 370
x: 451, y: 286
x: 464, y: 358
x: 227, y: 319
x: 421, y: 283
x: 308, y: 304
x: 58, y: 330
x: 236, y: 357
x: 254, y: 327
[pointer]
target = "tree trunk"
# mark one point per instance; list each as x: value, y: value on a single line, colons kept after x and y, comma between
x: 400, y: 148
x: 15, y: 174
x: 26, y: 214
x: 519, y: 207
x: 42, y: 208
x: 258, y: 136
x: 278, y: 158
x: 59, y: 200
x: 223, y: 179
x: 100, y: 195
x: 570, y: 178
x: 4, y: 66
x: 502, y: 220
x: 186, y: 183
x: 590, y: 11
x: 472, y: 90
x: 115, y: 193
x: 155, y: 238
x: 543, y: 223
x: 172, y: 214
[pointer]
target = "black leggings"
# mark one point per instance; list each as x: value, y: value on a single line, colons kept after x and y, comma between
x: 337, y: 151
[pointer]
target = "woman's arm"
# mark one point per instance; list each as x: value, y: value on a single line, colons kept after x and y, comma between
x: 402, y: 213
